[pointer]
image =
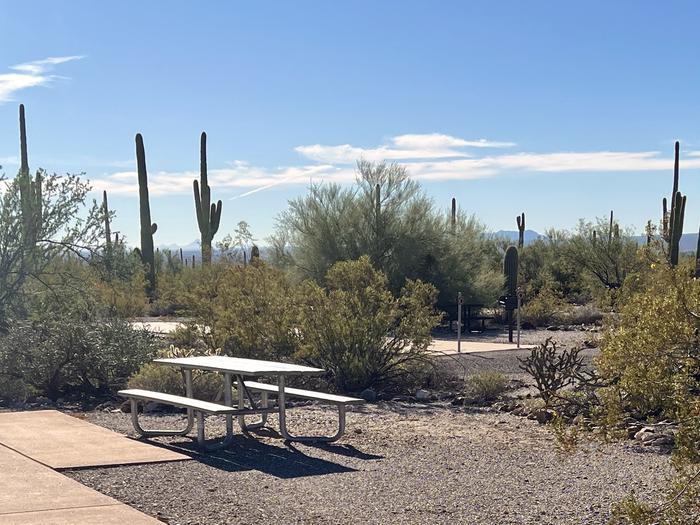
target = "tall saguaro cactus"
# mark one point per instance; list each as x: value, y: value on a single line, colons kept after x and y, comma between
x: 697, y: 258
x: 147, y: 228
x: 108, y: 234
x: 510, y: 270
x: 520, y: 220
x: 453, y: 216
x: 208, y: 214
x: 31, y: 203
x: 672, y: 220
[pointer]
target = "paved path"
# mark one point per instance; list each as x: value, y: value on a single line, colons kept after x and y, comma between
x: 61, y: 441
x: 449, y: 346
x: 31, y: 493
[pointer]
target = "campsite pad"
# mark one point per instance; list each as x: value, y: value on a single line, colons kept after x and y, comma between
x: 31, y: 493
x: 449, y: 346
x: 61, y: 441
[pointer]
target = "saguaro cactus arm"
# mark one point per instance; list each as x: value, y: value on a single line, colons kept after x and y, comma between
x: 520, y: 221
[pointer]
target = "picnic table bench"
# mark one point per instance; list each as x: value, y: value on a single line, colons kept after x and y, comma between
x: 240, y: 368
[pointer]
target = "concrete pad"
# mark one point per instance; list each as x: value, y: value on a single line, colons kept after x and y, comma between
x: 117, y: 514
x: 61, y: 441
x: 33, y: 493
x: 27, y: 486
x: 449, y: 347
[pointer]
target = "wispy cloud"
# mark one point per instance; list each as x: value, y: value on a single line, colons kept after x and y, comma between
x: 30, y: 74
x: 428, y: 157
x: 400, y: 148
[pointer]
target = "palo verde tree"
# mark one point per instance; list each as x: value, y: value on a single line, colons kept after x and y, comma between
x: 388, y: 217
x: 42, y: 219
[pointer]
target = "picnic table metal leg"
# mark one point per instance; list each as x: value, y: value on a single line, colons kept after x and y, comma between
x: 283, y: 420
x: 152, y: 432
x: 187, y: 374
x: 242, y: 392
x: 228, y: 401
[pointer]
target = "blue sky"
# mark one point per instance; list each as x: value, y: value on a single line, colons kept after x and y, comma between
x: 562, y: 110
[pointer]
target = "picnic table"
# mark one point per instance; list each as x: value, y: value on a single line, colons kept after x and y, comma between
x: 476, y: 309
x: 238, y: 372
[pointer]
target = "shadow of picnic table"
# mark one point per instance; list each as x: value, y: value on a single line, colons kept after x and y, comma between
x: 289, y: 461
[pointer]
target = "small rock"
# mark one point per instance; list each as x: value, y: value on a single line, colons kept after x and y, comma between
x: 368, y: 394
x: 422, y: 395
x: 542, y: 416
x: 645, y: 434
x: 457, y: 401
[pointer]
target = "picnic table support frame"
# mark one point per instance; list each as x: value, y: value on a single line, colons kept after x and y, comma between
x: 242, y: 393
x: 187, y: 374
x: 281, y: 401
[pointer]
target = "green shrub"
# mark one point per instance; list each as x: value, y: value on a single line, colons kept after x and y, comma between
x: 161, y: 378
x: 359, y: 332
x: 542, y: 309
x: 248, y: 310
x: 57, y: 353
x: 485, y: 387
x: 651, y: 360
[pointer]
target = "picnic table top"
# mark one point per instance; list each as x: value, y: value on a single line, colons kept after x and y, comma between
x: 239, y: 365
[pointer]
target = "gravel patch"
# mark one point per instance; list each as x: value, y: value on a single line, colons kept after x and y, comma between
x: 398, y: 463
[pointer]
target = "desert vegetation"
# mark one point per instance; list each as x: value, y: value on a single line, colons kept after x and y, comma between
x: 357, y: 280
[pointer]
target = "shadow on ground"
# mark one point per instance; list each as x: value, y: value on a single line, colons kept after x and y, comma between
x: 248, y: 453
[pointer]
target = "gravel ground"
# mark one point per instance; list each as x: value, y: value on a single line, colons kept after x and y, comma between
x: 398, y: 463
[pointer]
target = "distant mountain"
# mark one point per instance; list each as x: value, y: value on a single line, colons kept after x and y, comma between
x: 512, y: 235
x: 191, y: 247
x: 689, y: 241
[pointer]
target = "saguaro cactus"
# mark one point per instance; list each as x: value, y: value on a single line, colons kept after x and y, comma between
x: 147, y: 228
x: 510, y: 270
x: 208, y: 215
x: 453, y: 216
x: 108, y: 234
x: 672, y: 220
x: 31, y: 203
x: 520, y: 220
x: 697, y: 258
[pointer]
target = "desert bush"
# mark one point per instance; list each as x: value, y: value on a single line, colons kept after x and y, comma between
x: 55, y: 353
x: 607, y: 253
x: 542, y: 310
x: 545, y: 265
x: 249, y: 311
x: 152, y: 376
x: 651, y: 354
x: 485, y: 387
x: 360, y: 333
x: 651, y: 358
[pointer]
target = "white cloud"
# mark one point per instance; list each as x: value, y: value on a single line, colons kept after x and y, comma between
x: 239, y: 176
x: 30, y: 74
x: 401, y: 148
x: 432, y: 157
